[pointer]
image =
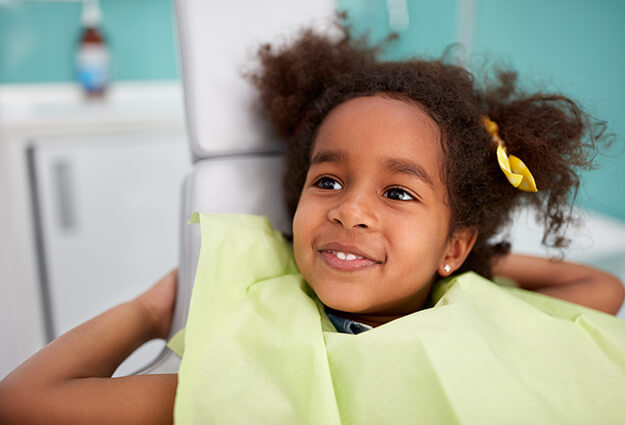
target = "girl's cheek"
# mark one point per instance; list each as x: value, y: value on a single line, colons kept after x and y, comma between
x: 298, y: 231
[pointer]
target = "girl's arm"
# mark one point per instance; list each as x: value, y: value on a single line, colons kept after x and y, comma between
x: 69, y: 381
x: 577, y: 283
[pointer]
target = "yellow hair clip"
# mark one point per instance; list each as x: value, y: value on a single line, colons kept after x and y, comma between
x: 515, y: 170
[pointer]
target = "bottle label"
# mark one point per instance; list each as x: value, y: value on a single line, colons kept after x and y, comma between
x: 93, y: 67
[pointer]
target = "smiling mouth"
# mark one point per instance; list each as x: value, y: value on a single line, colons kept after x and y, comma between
x: 345, y: 260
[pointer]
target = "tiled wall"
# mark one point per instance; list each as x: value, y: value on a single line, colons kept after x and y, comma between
x: 38, y: 40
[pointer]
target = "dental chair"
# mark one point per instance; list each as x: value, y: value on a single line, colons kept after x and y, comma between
x: 237, y: 160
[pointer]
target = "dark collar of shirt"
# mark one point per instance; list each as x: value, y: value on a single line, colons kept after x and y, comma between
x: 347, y: 326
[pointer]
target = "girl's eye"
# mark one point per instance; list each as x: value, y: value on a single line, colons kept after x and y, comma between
x: 398, y: 195
x: 328, y: 184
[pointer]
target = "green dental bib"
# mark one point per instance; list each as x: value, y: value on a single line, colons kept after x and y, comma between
x: 259, y: 349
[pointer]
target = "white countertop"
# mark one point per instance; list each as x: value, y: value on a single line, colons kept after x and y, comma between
x: 31, y: 108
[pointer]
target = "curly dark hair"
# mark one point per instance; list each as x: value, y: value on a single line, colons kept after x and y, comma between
x: 302, y: 81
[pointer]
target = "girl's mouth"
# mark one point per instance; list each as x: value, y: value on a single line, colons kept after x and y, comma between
x: 345, y: 260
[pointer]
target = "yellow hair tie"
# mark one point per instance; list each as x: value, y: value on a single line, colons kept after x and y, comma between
x: 515, y: 170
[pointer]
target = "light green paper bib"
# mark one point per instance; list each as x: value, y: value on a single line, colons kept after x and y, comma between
x: 258, y: 349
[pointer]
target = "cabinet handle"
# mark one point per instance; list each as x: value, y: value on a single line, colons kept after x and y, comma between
x: 66, y: 210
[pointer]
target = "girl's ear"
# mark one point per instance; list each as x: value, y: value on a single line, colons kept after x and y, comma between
x: 458, y: 248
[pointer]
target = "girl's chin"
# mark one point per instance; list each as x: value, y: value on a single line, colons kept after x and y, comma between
x: 341, y: 303
x: 353, y: 305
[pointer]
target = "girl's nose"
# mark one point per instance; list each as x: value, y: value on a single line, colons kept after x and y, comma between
x: 353, y: 211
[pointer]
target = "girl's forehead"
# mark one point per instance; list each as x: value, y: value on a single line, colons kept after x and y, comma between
x: 379, y: 124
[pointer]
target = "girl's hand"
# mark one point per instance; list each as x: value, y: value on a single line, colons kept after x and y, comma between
x: 158, y: 304
x: 577, y: 283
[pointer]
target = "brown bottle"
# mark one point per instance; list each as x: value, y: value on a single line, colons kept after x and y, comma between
x: 92, y: 57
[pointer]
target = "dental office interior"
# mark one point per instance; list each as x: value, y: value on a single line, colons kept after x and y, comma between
x: 94, y: 141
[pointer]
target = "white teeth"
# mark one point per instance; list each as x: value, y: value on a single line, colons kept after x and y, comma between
x: 349, y: 257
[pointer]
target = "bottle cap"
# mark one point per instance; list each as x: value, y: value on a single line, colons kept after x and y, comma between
x: 91, y: 13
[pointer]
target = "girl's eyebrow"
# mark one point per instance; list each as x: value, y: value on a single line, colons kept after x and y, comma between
x: 395, y: 165
x: 403, y: 166
x: 327, y: 156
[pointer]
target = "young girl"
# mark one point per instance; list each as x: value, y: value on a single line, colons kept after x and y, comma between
x: 393, y: 180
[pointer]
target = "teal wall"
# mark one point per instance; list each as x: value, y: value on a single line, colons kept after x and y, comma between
x: 576, y: 47
x: 572, y: 46
x: 38, y: 40
x: 432, y: 25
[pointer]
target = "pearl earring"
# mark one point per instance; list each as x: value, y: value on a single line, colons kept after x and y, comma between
x: 447, y: 268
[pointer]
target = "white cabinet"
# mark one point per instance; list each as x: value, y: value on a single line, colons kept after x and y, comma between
x: 90, y: 198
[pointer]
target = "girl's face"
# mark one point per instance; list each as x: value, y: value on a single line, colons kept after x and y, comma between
x: 371, y: 230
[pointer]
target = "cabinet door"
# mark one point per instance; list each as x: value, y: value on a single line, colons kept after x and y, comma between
x: 107, y: 209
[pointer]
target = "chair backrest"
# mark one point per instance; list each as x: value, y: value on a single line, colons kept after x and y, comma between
x: 218, y: 44
x: 238, y: 162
